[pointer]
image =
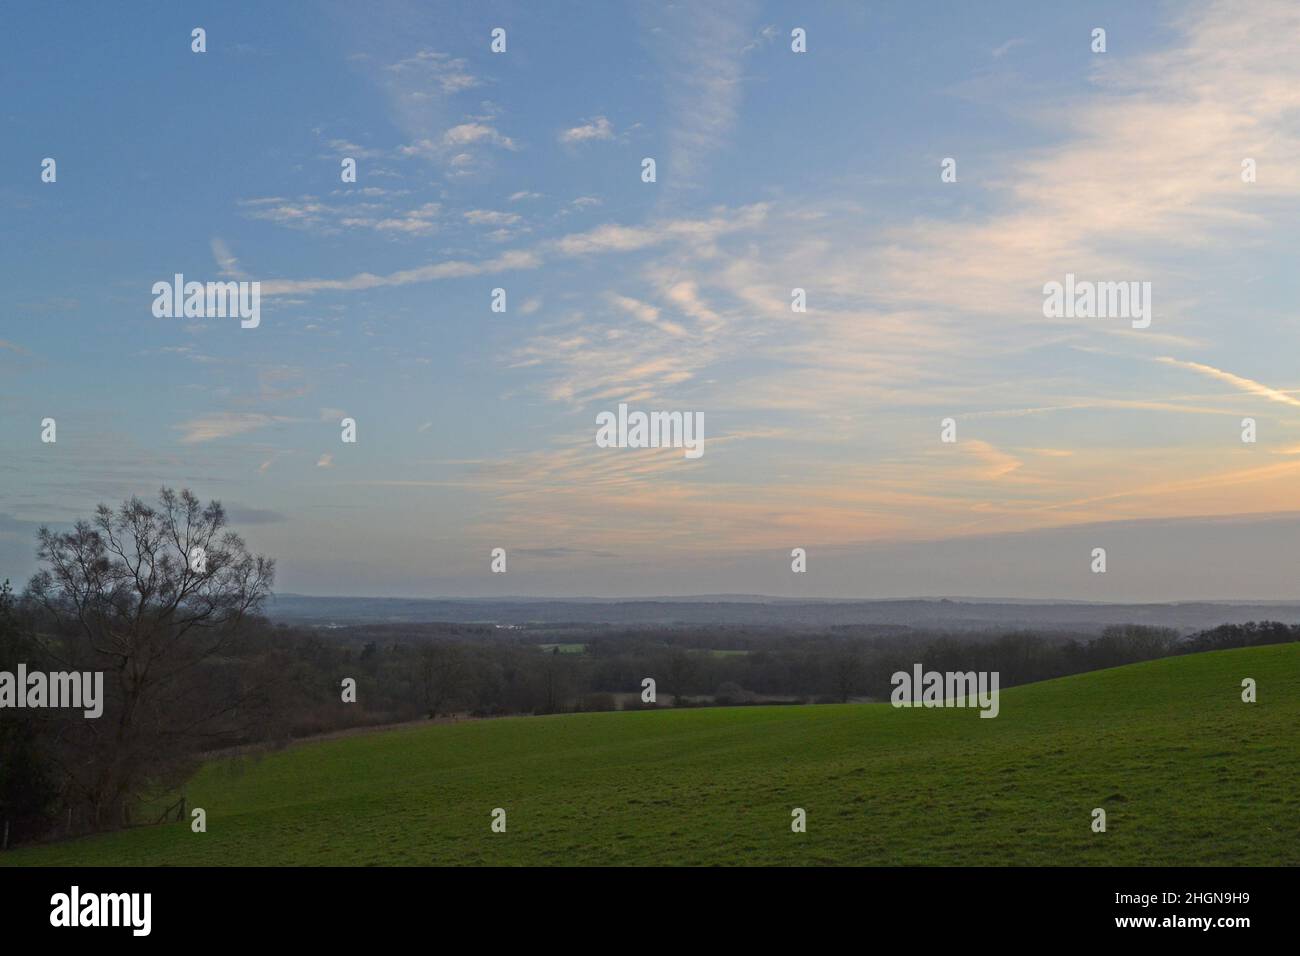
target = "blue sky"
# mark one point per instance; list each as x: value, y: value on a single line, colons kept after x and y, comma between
x: 776, y: 170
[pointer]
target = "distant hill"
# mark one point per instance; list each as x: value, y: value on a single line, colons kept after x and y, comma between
x: 1186, y: 772
x: 940, y: 614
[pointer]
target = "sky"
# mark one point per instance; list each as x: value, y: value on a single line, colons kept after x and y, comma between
x: 775, y: 170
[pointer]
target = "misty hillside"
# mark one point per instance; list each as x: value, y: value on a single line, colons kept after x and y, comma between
x: 938, y: 614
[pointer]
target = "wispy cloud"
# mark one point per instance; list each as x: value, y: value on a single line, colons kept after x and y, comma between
x: 488, y: 217
x: 224, y: 425
x: 460, y: 148
x: 1247, y: 385
x: 451, y: 269
x: 457, y: 138
x: 1003, y: 49
x: 647, y: 314
x: 226, y: 261
x: 765, y: 38
x: 700, y: 50
x: 315, y: 215
x: 429, y: 68
x: 601, y: 240
x: 995, y: 463
x: 419, y: 88
x: 594, y: 129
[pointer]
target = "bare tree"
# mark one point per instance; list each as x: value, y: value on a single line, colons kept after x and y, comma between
x: 680, y: 669
x: 146, y: 594
x: 442, y: 671
x: 846, y: 670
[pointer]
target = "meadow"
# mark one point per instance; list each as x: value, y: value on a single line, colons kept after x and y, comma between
x: 1188, y: 775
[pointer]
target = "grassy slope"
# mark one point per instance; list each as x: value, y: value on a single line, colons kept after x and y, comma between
x: 1188, y: 774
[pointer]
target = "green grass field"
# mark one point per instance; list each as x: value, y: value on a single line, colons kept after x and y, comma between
x: 1187, y: 773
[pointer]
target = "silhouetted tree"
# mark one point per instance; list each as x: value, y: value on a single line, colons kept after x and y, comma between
x: 146, y: 594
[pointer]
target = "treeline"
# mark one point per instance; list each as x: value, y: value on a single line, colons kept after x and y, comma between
x: 484, y: 672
